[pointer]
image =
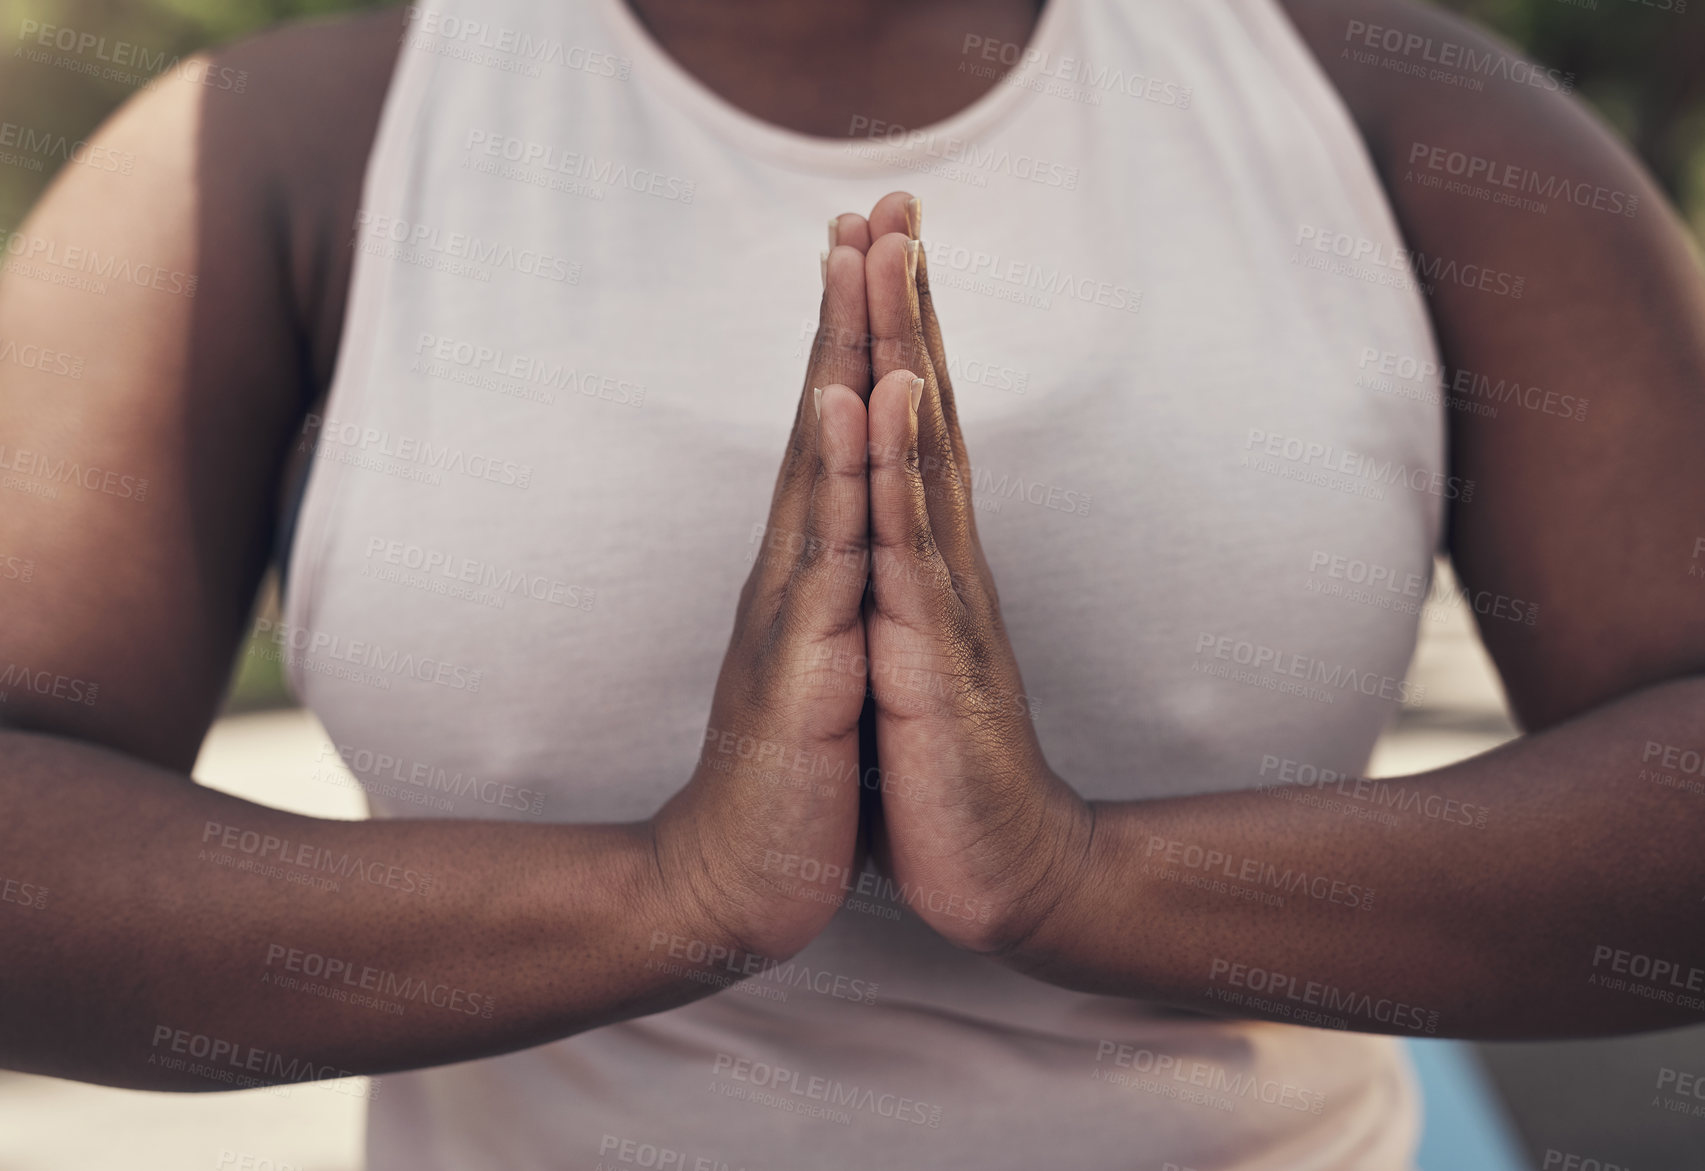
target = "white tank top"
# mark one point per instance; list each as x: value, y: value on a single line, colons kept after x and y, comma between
x: 580, y: 312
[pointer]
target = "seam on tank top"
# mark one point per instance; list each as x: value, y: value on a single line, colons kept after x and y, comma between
x: 395, y: 146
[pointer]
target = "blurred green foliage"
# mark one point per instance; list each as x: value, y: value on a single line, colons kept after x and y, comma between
x: 1641, y: 63
x: 62, y: 101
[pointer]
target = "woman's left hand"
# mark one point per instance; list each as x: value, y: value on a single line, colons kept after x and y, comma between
x: 982, y: 836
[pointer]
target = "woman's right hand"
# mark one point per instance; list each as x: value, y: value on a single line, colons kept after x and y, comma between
x: 759, y: 845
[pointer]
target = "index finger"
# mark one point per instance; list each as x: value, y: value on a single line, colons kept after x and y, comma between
x: 901, y: 211
x: 839, y: 357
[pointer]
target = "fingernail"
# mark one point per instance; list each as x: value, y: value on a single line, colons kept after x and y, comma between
x: 917, y: 394
x: 817, y: 401
x: 825, y: 270
x: 915, y: 218
x: 834, y: 231
x: 912, y: 259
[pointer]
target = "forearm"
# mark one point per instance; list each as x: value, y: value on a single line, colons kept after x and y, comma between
x: 152, y: 925
x: 1391, y: 910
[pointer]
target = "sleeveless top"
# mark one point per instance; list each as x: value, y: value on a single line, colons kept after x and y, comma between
x: 585, y: 291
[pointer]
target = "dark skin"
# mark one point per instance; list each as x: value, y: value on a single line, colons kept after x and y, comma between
x: 1494, y: 930
x: 1486, y: 934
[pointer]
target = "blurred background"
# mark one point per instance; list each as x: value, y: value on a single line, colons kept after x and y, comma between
x: 1640, y: 63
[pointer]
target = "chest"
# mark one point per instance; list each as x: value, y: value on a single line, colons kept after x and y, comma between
x: 549, y: 454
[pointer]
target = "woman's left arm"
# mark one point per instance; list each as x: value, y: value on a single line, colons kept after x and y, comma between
x: 1577, y: 905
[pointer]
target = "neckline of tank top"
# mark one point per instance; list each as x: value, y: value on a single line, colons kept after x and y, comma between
x: 656, y: 68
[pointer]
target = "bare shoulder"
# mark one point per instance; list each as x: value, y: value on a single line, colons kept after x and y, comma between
x: 1391, y: 59
x: 298, y: 138
x: 1570, y: 313
x: 183, y: 308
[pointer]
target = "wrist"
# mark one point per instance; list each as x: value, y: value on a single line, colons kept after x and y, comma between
x: 736, y: 898
x: 1034, y: 926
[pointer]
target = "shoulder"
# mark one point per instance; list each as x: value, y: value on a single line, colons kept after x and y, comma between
x: 190, y: 268
x: 292, y: 146
x: 1402, y: 64
x: 256, y: 151
x: 1557, y: 277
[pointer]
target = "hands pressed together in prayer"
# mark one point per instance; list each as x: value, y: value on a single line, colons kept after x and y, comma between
x: 872, y: 602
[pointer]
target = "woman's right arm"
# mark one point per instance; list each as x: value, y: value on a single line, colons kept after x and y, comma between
x: 156, y: 934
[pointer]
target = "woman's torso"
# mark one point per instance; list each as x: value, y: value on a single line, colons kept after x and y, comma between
x: 564, y: 386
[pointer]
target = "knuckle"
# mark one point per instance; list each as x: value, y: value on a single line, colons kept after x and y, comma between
x: 922, y: 545
x: 840, y: 481
x: 800, y: 455
x: 884, y: 457
x: 763, y: 680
